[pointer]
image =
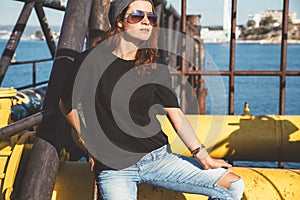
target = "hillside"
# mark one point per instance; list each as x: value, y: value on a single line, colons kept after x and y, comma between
x: 5, y: 31
x: 270, y: 34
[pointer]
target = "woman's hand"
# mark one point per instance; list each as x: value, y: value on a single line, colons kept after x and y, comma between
x: 91, y: 161
x: 211, y: 163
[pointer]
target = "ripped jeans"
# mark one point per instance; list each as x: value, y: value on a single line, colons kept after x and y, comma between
x: 171, y: 171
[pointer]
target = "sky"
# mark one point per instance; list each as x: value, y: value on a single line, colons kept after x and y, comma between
x: 210, y: 10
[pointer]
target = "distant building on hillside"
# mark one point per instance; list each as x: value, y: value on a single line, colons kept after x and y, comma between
x: 210, y: 35
x: 219, y: 34
x: 276, y: 15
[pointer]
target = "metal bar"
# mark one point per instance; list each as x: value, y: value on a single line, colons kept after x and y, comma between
x: 46, y: 28
x: 14, y: 39
x: 284, y: 38
x: 193, y: 28
x: 21, y: 125
x: 176, y: 35
x: 33, y: 74
x: 70, y: 44
x: 292, y: 73
x: 172, y: 10
x: 170, y: 22
x: 266, y: 73
x: 203, y: 92
x: 237, y: 73
x: 29, y: 86
x: 50, y: 134
x: 49, y: 4
x: 159, y: 11
x: 98, y: 22
x: 162, y: 40
x: 41, y: 170
x: 183, y: 57
x: 232, y: 57
x: 31, y: 61
x: 283, y: 56
x: 183, y: 17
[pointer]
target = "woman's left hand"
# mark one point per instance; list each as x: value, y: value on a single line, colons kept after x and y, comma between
x: 91, y: 161
x: 211, y: 163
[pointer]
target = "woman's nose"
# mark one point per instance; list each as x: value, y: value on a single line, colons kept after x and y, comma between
x: 145, y: 20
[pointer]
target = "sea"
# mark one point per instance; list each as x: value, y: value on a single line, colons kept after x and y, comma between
x: 261, y: 92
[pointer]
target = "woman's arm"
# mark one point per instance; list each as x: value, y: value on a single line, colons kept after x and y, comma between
x: 73, y: 119
x: 187, y: 134
x: 71, y: 116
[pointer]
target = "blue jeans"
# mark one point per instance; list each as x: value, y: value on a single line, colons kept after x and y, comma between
x: 167, y: 170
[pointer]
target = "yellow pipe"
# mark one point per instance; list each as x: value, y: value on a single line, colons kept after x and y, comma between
x: 268, y: 183
x: 253, y: 138
x: 6, y: 95
x: 233, y: 137
x: 75, y: 181
x: 13, y: 165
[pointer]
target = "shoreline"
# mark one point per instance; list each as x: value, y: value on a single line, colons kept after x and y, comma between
x: 205, y: 42
x: 253, y: 42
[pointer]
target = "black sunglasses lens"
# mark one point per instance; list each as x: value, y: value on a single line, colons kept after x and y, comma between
x: 152, y: 18
x: 135, y: 17
x: 138, y: 15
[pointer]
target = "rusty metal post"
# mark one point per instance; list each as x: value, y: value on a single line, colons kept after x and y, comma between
x: 232, y: 57
x: 21, y: 125
x: 201, y: 96
x: 99, y: 22
x: 34, y: 74
x: 162, y: 40
x: 14, y: 39
x: 40, y: 174
x: 284, y: 39
x: 170, y: 23
x: 183, y: 101
x: 55, y: 4
x: 203, y: 90
x: 46, y: 28
x: 159, y: 8
x: 197, y: 50
x: 283, y: 55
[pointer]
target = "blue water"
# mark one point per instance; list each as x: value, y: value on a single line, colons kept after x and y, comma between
x: 21, y: 75
x: 262, y: 93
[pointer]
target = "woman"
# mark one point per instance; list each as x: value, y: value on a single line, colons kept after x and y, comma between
x: 143, y: 153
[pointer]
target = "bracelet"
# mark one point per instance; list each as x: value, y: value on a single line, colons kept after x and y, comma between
x: 195, y: 151
x: 200, y: 149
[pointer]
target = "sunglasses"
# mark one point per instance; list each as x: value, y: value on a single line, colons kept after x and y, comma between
x: 138, y: 15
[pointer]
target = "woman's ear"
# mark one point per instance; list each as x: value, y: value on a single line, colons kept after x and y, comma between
x: 120, y: 25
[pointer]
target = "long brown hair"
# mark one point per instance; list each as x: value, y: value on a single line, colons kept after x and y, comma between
x: 146, y: 54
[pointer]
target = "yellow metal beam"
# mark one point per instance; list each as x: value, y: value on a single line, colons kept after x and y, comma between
x: 13, y: 165
x: 75, y: 181
x: 254, y: 138
x: 233, y: 137
x: 268, y: 183
x: 5, y: 152
x: 5, y: 103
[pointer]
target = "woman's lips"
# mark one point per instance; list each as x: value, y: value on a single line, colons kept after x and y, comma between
x: 145, y: 30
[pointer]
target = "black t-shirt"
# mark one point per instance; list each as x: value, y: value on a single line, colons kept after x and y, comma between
x: 124, y: 100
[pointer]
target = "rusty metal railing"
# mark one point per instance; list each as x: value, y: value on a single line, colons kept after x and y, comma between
x: 232, y: 72
x: 19, y: 28
x: 34, y: 72
x: 169, y: 18
x: 282, y: 73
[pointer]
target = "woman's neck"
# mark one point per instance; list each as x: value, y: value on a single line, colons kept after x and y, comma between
x: 126, y: 50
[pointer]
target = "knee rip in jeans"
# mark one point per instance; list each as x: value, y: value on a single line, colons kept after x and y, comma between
x: 228, y: 178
